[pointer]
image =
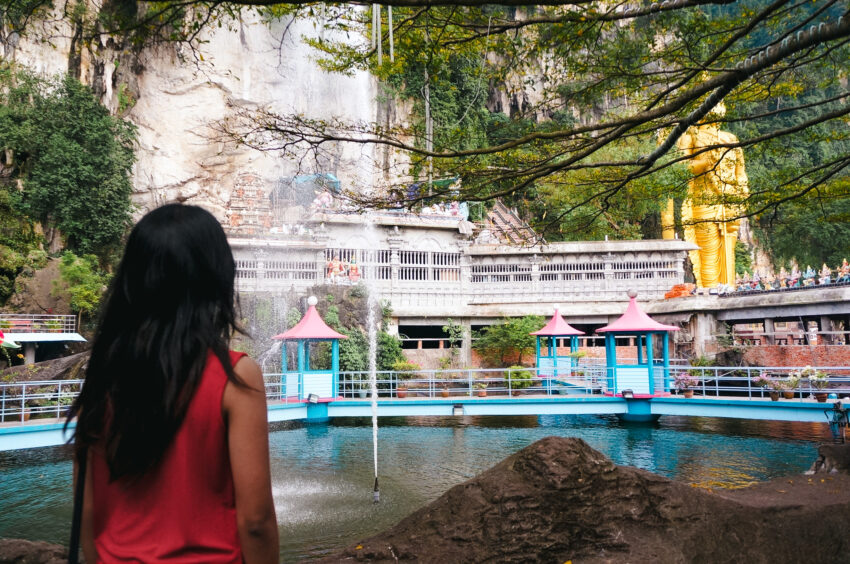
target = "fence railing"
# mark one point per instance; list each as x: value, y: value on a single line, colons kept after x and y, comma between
x: 37, y: 323
x: 791, y: 337
x: 22, y: 401
x: 25, y: 401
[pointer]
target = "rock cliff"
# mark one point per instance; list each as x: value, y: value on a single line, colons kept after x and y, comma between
x: 175, y: 95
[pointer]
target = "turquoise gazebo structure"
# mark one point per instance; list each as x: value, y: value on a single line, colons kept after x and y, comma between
x: 549, y: 363
x: 307, y: 383
x: 637, y: 377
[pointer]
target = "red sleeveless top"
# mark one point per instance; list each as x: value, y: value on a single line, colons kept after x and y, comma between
x: 184, y: 510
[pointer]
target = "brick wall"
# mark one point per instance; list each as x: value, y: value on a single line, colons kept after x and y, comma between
x: 798, y: 355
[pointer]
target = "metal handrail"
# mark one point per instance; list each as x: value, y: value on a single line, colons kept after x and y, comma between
x: 20, y: 401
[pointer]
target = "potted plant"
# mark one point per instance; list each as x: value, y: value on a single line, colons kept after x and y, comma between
x: 480, y: 389
x: 684, y: 382
x: 518, y: 378
x: 764, y: 380
x: 404, y: 370
x: 790, y: 385
x: 817, y: 379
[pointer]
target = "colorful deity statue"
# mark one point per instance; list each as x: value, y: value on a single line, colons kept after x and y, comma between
x: 710, y: 214
x: 794, y: 281
x: 843, y: 272
x: 335, y: 270
x: 783, y: 278
x: 739, y: 283
x: 770, y: 281
x: 353, y: 271
x: 755, y: 283
x: 825, y: 275
x: 809, y: 276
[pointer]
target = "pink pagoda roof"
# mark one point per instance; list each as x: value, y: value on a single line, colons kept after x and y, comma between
x: 557, y: 327
x: 311, y: 326
x: 635, y: 320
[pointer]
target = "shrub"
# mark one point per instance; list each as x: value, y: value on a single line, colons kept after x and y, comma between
x: 518, y: 377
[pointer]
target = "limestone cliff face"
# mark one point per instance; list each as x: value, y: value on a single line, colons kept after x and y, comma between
x: 175, y: 95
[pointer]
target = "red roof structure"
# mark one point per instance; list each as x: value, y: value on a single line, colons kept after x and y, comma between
x: 635, y: 321
x: 557, y: 327
x: 311, y: 326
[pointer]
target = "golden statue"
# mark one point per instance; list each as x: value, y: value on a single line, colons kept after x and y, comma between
x: 711, y: 211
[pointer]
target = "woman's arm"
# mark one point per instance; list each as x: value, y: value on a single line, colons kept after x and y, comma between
x: 248, y: 444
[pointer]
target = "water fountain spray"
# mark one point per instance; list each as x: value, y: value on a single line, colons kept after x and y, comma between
x: 373, y: 382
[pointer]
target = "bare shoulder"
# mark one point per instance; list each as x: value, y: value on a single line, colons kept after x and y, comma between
x: 251, y: 393
x: 249, y: 372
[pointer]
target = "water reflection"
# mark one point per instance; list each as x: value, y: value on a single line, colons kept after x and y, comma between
x: 322, y: 474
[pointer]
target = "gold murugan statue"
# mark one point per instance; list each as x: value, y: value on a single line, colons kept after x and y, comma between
x: 711, y: 212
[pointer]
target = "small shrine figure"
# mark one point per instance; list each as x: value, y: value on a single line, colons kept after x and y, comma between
x: 353, y: 271
x: 794, y: 280
x: 324, y: 200
x: 334, y: 270
x: 809, y: 276
x: 739, y: 284
x: 783, y: 278
x: 770, y: 281
x: 825, y: 275
x: 755, y: 284
x: 745, y: 281
x: 843, y: 272
x: 344, y: 273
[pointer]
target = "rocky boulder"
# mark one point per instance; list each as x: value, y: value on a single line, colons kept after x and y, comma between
x: 17, y: 551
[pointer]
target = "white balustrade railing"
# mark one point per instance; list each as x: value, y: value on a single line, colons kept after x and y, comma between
x: 37, y: 323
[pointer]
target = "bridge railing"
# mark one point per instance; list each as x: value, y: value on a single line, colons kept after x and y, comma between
x: 743, y: 381
x: 474, y: 382
x: 22, y: 401
x: 37, y: 323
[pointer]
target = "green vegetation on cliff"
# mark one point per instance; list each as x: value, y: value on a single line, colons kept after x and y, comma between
x: 64, y: 175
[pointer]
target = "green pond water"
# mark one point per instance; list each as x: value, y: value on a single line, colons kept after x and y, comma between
x: 323, y: 474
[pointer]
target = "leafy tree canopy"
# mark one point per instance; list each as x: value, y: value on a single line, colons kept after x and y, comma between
x: 570, y: 109
x: 72, y: 158
x: 496, y: 342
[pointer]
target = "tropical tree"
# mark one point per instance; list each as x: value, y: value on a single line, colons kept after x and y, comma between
x: 513, y: 336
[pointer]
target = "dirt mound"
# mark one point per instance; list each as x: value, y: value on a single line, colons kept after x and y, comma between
x: 560, y: 500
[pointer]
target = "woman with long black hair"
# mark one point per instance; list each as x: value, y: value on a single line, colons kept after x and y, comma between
x: 172, y: 423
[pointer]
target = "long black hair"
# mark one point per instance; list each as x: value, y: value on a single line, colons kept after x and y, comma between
x: 170, y: 303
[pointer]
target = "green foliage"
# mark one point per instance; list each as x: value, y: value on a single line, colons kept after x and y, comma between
x: 519, y: 377
x: 456, y: 332
x: 353, y: 351
x: 73, y: 158
x: 405, y: 366
x: 293, y: 316
x: 83, y: 280
x: 813, y: 230
x: 389, y: 351
x: 496, y: 342
x: 18, y: 243
x: 743, y: 261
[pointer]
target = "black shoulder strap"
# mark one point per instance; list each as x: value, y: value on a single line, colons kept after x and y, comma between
x: 79, y: 489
